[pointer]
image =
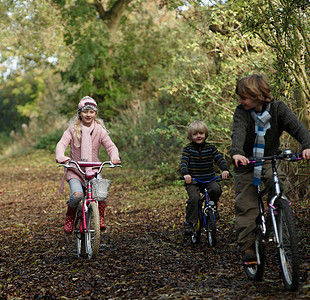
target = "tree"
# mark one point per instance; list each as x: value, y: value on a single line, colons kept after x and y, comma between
x: 31, y: 34
x: 284, y: 26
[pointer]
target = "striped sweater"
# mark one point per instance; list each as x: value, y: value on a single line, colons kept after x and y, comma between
x: 197, y: 161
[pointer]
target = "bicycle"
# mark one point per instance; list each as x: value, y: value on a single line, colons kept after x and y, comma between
x: 278, y: 216
x: 87, y: 223
x: 206, y: 216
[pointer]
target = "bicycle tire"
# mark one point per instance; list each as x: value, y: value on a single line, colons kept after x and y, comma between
x: 80, y: 236
x: 80, y: 239
x: 92, y: 235
x: 256, y: 271
x: 288, y: 248
x: 195, y: 236
x: 211, y: 228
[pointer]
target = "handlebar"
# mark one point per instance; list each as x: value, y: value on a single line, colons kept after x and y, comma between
x: 286, y: 155
x: 80, y: 164
x: 216, y: 178
x: 195, y: 180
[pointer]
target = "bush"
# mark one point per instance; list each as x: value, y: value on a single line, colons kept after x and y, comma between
x: 49, y: 142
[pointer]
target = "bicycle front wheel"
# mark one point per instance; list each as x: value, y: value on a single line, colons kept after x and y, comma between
x: 211, y: 228
x: 80, y: 235
x: 92, y: 234
x: 288, y: 246
x: 195, y: 237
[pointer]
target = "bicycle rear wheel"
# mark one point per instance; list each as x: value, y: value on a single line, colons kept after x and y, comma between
x: 211, y: 228
x: 92, y: 235
x: 255, y: 271
x: 288, y: 247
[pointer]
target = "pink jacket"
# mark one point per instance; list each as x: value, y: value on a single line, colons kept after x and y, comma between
x: 99, y: 137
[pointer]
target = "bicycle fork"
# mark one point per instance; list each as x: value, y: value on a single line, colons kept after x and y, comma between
x: 273, y: 208
x: 209, y: 205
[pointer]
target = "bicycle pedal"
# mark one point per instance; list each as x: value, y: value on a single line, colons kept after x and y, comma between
x: 249, y: 263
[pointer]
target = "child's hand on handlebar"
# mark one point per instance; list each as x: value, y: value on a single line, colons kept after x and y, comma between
x: 225, y: 175
x: 116, y: 161
x: 188, y: 178
x: 306, y: 154
x: 67, y: 159
x: 240, y: 159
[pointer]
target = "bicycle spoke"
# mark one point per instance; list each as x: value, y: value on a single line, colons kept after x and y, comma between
x: 288, y: 246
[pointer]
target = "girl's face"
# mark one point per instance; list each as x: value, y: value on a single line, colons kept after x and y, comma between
x: 198, y: 137
x: 249, y: 103
x: 88, y: 116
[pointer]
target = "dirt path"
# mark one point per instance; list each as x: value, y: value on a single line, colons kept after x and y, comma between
x: 143, y: 255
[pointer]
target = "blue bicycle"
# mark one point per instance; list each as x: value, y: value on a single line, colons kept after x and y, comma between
x: 206, y: 216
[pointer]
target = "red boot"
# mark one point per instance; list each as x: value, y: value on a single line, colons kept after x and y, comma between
x: 101, y: 207
x: 70, y: 218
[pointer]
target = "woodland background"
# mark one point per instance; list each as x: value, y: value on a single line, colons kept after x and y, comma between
x: 152, y: 66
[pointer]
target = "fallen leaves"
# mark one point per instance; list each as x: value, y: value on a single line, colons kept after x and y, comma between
x: 143, y: 254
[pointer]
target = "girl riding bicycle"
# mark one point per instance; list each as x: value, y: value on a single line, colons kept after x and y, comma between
x: 197, y: 161
x: 258, y: 123
x: 85, y: 134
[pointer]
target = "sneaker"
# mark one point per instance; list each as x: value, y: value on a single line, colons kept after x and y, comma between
x: 188, y: 228
x: 249, y: 256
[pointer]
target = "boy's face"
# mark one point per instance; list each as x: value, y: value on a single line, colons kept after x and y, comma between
x: 198, y: 137
x: 249, y: 103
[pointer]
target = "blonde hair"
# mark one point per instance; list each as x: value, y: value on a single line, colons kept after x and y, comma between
x: 195, y: 127
x: 75, y: 123
x: 255, y: 87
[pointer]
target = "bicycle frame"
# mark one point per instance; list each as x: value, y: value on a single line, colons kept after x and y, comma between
x: 89, y: 198
x: 88, y: 238
x: 271, y: 204
x: 205, y: 219
x: 89, y: 175
x: 207, y: 204
x: 280, y: 217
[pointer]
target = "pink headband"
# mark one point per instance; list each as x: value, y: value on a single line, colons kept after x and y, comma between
x: 87, y: 103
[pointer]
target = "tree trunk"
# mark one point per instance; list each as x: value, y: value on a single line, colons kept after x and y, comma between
x: 112, y: 16
x: 302, y: 107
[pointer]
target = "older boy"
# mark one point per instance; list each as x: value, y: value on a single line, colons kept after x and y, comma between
x: 258, y: 123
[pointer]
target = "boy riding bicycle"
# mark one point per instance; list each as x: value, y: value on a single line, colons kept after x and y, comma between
x: 197, y: 161
x: 258, y: 123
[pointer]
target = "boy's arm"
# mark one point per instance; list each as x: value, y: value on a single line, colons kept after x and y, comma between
x: 219, y: 159
x: 294, y: 126
x: 238, y: 136
x: 184, y: 162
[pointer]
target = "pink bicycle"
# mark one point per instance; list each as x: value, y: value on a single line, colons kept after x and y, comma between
x: 87, y: 224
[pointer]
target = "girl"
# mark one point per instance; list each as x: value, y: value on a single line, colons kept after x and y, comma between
x: 258, y: 123
x: 85, y: 135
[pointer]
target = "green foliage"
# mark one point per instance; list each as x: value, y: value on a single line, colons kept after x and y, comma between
x: 31, y: 34
x: 153, y: 75
x: 284, y: 27
x: 4, y: 140
x: 49, y: 142
x: 17, y: 96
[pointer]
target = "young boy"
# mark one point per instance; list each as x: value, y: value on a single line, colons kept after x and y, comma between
x: 258, y: 123
x: 197, y: 161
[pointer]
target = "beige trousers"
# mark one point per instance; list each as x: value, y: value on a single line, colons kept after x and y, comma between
x: 246, y: 206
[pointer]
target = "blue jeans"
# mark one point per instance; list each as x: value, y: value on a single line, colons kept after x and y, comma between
x: 76, y: 188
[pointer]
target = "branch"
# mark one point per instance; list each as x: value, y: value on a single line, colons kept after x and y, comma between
x: 113, y: 15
